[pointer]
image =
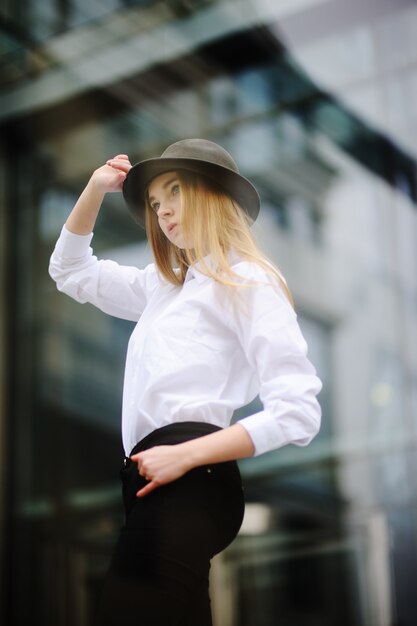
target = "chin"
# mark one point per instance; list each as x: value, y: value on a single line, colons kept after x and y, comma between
x: 177, y: 241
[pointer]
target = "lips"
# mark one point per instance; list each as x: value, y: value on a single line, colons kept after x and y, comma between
x: 171, y: 227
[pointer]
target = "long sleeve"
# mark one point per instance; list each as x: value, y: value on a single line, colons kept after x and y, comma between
x: 274, y: 346
x: 121, y: 291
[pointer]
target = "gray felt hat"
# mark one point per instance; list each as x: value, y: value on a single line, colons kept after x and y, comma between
x: 194, y: 155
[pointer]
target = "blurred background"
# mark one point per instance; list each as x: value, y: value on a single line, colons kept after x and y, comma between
x: 317, y: 101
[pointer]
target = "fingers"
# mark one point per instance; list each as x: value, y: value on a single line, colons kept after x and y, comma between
x: 147, y: 489
x: 152, y: 484
x: 156, y: 466
x: 141, y: 468
x: 120, y: 162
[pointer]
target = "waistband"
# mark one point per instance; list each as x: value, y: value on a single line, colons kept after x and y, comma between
x: 177, y: 432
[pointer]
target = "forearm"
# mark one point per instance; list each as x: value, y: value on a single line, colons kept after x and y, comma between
x: 224, y: 445
x: 107, y: 178
x: 83, y: 217
x: 163, y: 464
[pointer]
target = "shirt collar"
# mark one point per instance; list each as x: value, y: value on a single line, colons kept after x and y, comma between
x: 194, y: 271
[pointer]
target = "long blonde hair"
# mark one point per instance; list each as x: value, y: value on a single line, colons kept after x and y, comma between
x: 221, y: 226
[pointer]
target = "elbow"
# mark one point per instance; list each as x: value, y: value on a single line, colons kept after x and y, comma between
x: 54, y: 272
x: 58, y: 275
x: 311, y: 421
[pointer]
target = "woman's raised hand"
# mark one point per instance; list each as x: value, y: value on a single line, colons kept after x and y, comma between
x: 111, y: 176
x: 107, y: 178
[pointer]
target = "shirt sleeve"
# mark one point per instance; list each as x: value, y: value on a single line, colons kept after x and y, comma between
x: 118, y: 290
x: 275, y: 347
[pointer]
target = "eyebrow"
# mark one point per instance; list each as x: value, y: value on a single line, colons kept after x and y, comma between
x: 164, y: 186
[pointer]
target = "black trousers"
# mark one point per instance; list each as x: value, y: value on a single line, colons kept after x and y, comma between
x: 159, y: 572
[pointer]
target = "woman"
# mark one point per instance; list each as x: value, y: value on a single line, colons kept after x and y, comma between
x: 215, y: 327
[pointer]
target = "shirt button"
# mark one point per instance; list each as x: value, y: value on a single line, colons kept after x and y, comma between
x: 209, y: 470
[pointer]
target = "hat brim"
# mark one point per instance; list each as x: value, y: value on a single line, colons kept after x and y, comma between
x: 141, y: 174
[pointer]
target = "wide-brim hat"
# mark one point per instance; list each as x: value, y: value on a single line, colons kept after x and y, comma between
x: 194, y: 155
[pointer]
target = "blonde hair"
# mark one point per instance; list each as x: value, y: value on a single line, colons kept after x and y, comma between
x: 221, y: 226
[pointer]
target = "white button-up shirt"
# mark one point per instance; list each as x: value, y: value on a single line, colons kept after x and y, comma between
x: 202, y: 350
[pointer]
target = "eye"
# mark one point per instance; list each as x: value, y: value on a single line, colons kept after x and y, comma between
x: 155, y: 206
x: 175, y: 189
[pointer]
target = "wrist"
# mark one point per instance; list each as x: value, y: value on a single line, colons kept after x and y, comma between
x: 94, y: 188
x: 189, y: 451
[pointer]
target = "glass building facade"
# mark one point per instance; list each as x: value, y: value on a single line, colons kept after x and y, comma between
x: 316, y: 99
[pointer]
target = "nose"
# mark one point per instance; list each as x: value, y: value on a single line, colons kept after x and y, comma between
x: 165, y: 209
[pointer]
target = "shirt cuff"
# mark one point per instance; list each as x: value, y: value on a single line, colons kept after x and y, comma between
x: 72, y: 246
x: 266, y: 433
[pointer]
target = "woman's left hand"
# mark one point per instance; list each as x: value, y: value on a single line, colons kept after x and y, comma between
x: 160, y: 465
x: 163, y: 464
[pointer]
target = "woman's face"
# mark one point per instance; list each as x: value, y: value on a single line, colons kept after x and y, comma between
x: 164, y: 195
